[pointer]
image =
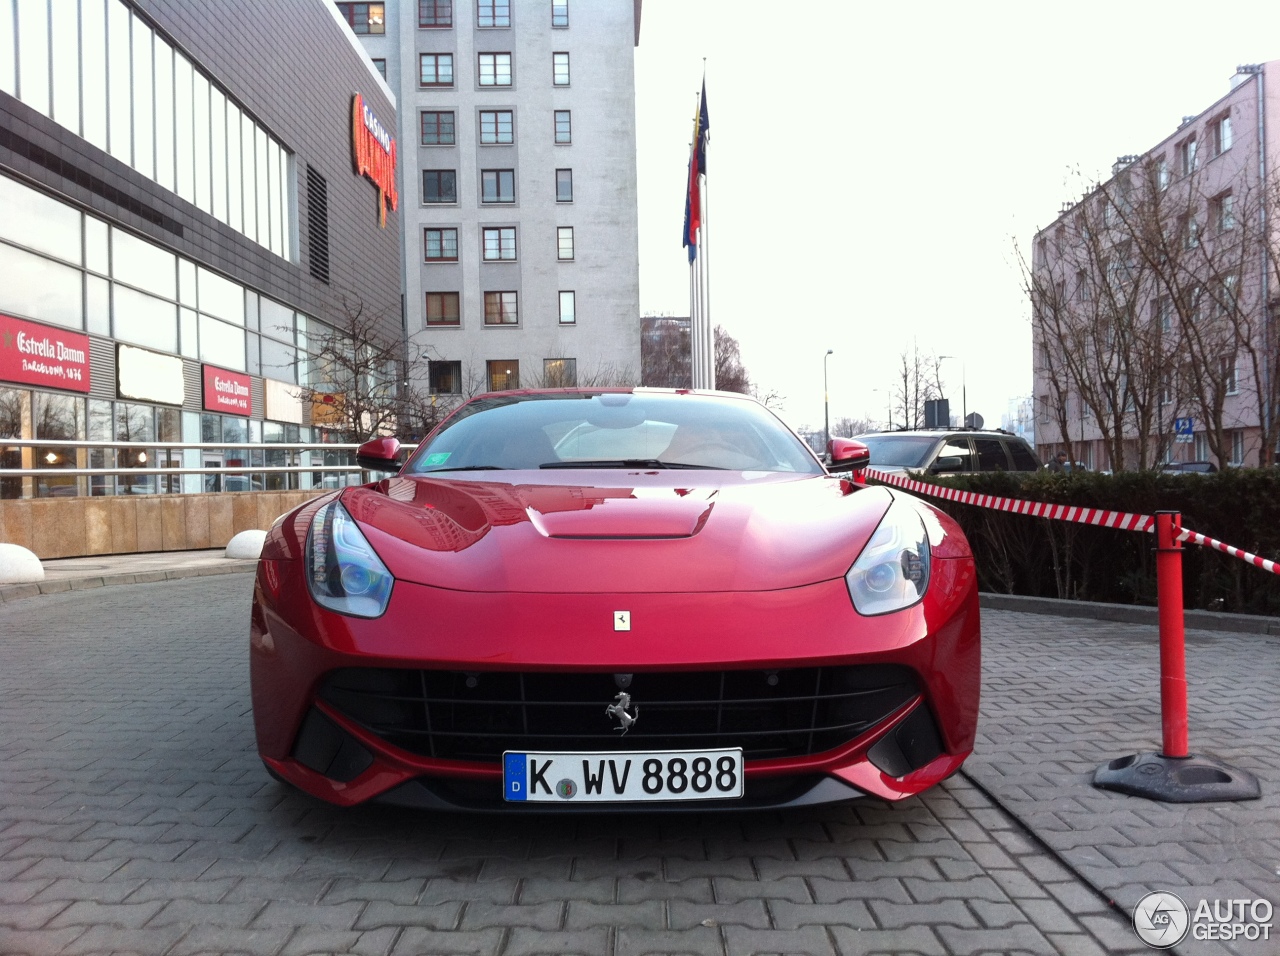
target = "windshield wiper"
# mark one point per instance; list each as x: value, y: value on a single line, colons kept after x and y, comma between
x: 628, y: 463
x: 467, y: 468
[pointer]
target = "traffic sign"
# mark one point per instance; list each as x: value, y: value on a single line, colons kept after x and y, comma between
x: 1183, y: 430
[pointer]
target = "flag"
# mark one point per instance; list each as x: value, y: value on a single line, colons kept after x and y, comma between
x: 697, y: 168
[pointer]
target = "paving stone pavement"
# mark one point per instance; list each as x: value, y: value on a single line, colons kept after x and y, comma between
x: 135, y: 817
x: 1062, y: 696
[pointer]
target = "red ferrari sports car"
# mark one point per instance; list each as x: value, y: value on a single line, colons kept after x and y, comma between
x: 584, y: 599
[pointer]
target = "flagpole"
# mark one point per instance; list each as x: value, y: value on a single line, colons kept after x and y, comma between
x: 695, y: 345
x: 704, y: 244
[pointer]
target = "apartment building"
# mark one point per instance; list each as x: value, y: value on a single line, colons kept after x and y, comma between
x: 180, y: 223
x: 1154, y: 296
x: 518, y: 187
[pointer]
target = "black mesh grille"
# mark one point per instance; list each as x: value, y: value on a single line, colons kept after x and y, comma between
x: 318, y: 224
x: 477, y: 715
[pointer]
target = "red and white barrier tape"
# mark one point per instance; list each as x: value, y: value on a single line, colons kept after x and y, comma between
x: 1196, y: 537
x: 1122, y: 521
x: 1119, y: 520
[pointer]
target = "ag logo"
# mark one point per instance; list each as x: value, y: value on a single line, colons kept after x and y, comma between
x: 1161, y: 920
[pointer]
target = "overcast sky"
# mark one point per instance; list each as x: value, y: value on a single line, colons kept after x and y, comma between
x: 870, y: 167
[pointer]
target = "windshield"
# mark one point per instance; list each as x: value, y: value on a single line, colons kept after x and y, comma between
x: 907, y: 451
x: 613, y: 430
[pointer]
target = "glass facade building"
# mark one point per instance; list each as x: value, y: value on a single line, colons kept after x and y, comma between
x: 156, y: 284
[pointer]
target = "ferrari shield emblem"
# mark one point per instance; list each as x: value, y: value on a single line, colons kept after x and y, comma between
x: 622, y: 620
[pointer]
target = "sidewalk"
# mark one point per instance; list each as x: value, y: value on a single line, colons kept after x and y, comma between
x: 96, y: 571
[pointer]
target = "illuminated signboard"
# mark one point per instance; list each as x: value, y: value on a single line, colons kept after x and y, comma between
x: 227, y: 392
x: 32, y: 354
x: 149, y: 376
x: 374, y: 150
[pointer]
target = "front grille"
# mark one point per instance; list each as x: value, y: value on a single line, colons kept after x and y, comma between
x: 476, y: 715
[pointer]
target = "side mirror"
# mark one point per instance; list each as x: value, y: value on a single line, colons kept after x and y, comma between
x: 948, y: 463
x: 847, y: 455
x: 379, y: 454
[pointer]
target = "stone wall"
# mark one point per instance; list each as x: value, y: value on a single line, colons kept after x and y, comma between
x: 74, y: 527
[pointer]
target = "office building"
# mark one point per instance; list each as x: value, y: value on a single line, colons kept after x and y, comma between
x: 518, y: 181
x: 1155, y: 297
x: 182, y: 219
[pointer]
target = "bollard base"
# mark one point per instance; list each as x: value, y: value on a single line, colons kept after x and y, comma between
x: 1193, y: 779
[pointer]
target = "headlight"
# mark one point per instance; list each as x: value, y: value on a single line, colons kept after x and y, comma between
x: 343, y: 572
x: 892, y: 572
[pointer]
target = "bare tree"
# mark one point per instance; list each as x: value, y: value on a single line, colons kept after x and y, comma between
x: 848, y: 427
x: 916, y: 382
x: 355, y: 376
x: 731, y: 374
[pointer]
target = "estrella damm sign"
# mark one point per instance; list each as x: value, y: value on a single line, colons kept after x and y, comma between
x: 374, y: 151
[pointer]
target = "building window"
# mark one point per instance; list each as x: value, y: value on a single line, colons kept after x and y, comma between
x: 381, y: 66
x: 1163, y: 308
x: 1166, y: 387
x: 1223, y: 210
x: 437, y: 128
x: 497, y: 127
x: 1222, y: 135
x: 1237, y: 447
x: 1230, y: 382
x: 1190, y: 232
x: 568, y: 308
x: 503, y: 374
x: 441, y: 245
x: 445, y: 378
x: 500, y: 243
x: 435, y: 69
x: 560, y: 13
x: 435, y: 13
x: 1201, y: 447
x: 559, y: 373
x: 564, y: 242
x: 497, y: 185
x: 442, y: 308
x: 495, y: 69
x: 439, y: 186
x: 1162, y: 174
x: 493, y: 13
x: 564, y: 127
x: 364, y: 18
x: 500, y: 308
x: 560, y: 69
x: 564, y: 185
x: 1186, y: 153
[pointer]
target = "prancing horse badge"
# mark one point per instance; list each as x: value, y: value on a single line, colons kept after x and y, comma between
x: 622, y: 620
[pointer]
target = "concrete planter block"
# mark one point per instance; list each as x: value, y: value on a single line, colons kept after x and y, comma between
x: 19, y: 566
x: 247, y: 544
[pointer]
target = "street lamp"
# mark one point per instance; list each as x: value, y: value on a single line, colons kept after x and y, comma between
x: 888, y: 403
x: 964, y: 409
x: 826, y: 405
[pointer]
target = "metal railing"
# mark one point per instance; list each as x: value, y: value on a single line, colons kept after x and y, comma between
x: 180, y: 459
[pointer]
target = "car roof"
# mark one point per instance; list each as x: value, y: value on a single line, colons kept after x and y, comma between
x: 945, y: 433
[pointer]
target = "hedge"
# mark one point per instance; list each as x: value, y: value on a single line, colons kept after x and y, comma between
x: 1019, y: 554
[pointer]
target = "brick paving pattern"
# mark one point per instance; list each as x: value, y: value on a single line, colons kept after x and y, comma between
x: 135, y: 817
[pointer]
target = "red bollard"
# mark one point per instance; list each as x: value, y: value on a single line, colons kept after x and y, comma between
x: 1173, y: 649
x: 1173, y: 775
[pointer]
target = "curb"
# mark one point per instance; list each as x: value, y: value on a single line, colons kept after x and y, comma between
x: 18, y: 592
x: 1129, y: 614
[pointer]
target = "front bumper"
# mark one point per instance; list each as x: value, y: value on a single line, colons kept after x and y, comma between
x: 309, y: 742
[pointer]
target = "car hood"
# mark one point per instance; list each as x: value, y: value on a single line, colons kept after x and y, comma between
x: 624, y: 532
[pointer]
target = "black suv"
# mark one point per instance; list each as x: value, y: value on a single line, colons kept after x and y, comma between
x: 949, y: 451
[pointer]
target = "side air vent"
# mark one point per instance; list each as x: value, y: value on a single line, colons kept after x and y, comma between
x: 318, y: 224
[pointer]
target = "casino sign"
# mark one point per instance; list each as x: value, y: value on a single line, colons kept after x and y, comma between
x: 374, y: 152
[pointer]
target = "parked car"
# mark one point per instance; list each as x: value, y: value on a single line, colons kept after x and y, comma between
x: 576, y: 598
x: 949, y: 451
x: 1189, y: 467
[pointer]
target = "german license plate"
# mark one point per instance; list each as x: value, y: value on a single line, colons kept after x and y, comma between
x: 604, y: 777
